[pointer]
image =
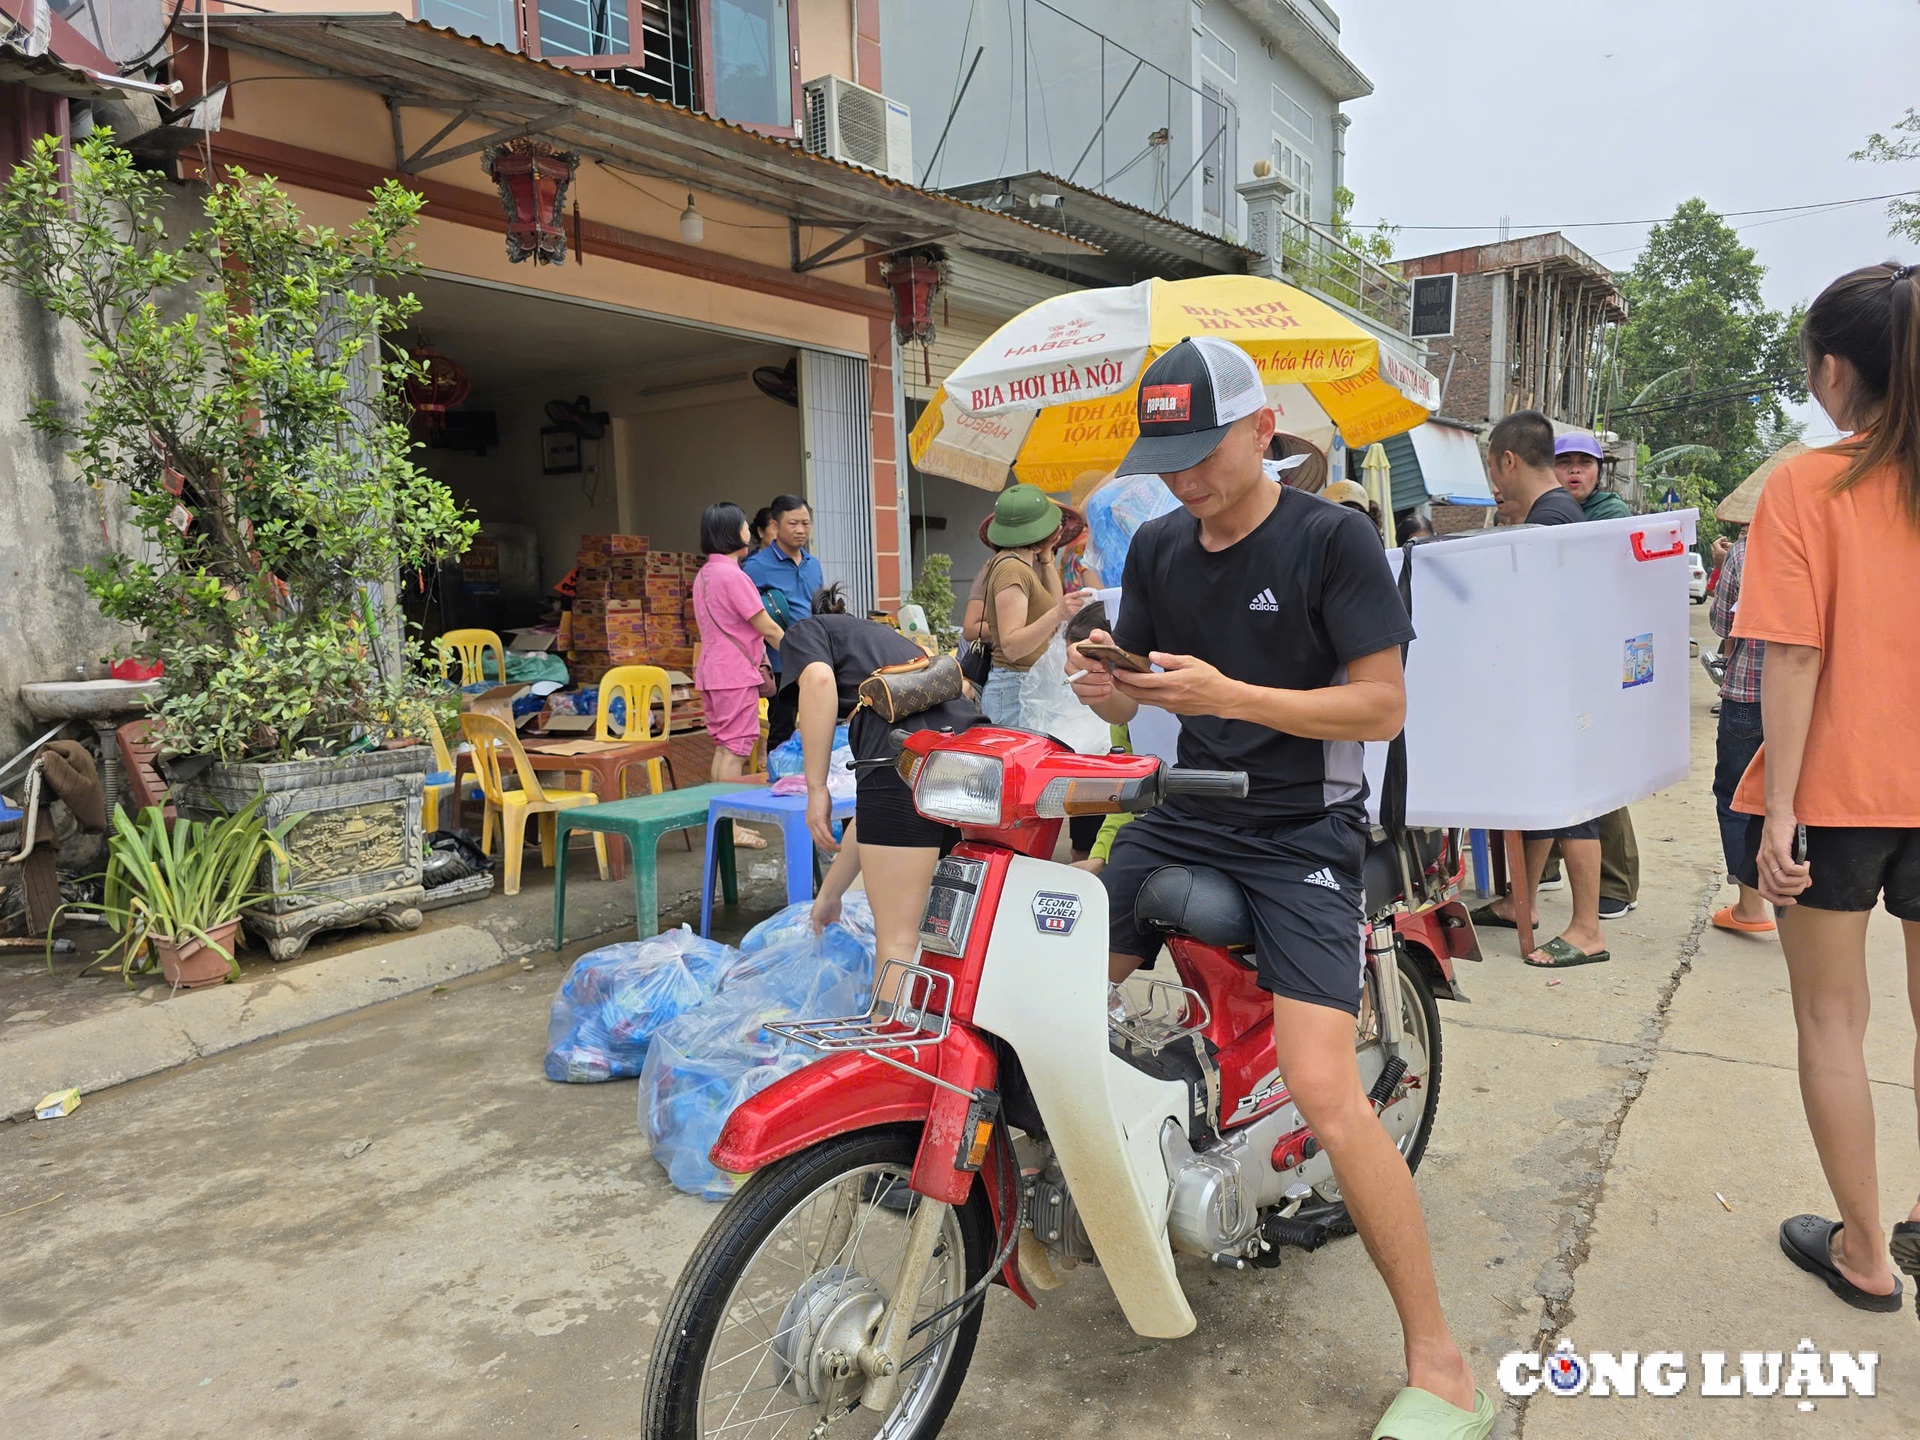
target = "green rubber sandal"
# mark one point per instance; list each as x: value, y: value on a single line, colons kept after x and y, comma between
x: 1562, y: 956
x: 1422, y: 1415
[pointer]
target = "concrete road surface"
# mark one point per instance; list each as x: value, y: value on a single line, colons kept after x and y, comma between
x: 211, y: 1252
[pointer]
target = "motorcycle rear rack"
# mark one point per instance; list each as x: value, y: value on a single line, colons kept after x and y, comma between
x: 919, y: 1014
x: 1166, y: 1017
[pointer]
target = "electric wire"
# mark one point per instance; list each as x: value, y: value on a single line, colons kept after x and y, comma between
x: 675, y: 205
x: 154, y: 49
x: 1656, y: 220
x: 965, y: 35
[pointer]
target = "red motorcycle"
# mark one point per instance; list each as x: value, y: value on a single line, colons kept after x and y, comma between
x: 1003, y: 1111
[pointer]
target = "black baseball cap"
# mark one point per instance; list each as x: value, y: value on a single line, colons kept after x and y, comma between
x: 1189, y: 399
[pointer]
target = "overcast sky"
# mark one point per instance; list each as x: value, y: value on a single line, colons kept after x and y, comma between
x: 1554, y: 113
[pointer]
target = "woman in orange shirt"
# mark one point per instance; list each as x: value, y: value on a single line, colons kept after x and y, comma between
x: 1832, y: 585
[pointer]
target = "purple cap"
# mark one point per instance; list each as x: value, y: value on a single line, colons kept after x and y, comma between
x: 1577, y: 442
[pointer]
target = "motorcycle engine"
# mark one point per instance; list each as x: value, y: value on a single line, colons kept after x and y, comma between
x: 1055, y: 1218
x: 1219, y: 1192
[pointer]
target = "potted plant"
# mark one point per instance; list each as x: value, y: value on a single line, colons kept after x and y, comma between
x: 247, y: 402
x: 181, y: 889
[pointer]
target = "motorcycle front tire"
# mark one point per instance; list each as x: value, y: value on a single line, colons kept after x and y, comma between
x: 671, y: 1407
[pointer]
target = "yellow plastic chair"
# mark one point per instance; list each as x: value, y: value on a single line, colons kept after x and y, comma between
x: 436, y: 790
x: 471, y: 647
x: 487, y: 734
x: 638, y: 685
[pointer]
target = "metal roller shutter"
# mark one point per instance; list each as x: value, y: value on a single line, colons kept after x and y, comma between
x: 835, y: 444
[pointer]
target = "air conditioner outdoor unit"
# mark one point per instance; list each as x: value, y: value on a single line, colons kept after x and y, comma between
x: 859, y: 126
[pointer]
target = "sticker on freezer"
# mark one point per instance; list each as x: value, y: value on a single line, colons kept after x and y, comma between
x: 1638, y: 669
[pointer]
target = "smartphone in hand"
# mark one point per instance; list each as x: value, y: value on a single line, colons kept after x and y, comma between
x: 1116, y: 657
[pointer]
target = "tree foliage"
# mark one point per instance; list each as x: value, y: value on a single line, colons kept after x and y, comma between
x: 1699, y: 335
x: 933, y: 592
x: 1903, y: 212
x: 260, y: 436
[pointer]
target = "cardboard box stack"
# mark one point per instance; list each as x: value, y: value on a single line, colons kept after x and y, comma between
x: 631, y: 606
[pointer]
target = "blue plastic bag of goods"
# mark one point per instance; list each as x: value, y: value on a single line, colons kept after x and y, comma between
x: 787, y: 758
x: 1114, y: 512
x: 707, y: 960
x: 856, y: 915
x: 607, y: 1010
x: 800, y: 963
x: 705, y: 1063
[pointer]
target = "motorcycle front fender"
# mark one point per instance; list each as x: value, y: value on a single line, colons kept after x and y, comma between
x: 832, y: 1096
x: 837, y: 1095
x: 1043, y: 990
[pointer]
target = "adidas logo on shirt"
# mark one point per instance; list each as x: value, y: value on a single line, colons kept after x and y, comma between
x: 1265, y: 601
x: 1324, y: 877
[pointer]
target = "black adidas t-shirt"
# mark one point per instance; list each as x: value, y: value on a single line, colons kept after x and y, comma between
x: 1285, y: 608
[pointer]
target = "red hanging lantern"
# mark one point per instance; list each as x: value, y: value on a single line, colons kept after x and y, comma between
x: 915, y: 277
x: 438, y: 386
x: 533, y: 179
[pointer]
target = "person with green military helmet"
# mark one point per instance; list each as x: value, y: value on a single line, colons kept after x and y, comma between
x: 1022, y: 596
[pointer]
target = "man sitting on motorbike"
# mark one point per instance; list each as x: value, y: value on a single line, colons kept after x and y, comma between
x: 1276, y: 627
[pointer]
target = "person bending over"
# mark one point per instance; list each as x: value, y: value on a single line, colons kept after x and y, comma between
x: 824, y: 657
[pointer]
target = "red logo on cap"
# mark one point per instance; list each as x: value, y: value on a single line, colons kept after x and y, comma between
x: 1165, y: 404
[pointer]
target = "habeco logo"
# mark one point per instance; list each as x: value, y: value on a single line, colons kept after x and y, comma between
x: 1804, y: 1374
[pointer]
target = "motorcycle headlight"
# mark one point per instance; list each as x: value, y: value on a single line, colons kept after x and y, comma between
x: 958, y: 788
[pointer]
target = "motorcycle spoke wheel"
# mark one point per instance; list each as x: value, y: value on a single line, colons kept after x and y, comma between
x: 786, y: 1287
x: 1420, y: 1046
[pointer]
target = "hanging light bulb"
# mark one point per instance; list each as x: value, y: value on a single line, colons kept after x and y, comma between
x: 693, y: 226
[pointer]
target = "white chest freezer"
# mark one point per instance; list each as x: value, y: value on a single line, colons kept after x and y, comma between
x: 1548, y: 684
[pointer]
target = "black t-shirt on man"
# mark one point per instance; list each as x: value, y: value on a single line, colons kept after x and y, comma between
x: 1556, y: 507
x: 855, y: 647
x: 1284, y: 608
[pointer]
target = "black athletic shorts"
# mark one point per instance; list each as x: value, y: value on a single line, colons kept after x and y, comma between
x: 883, y: 808
x: 1851, y: 867
x: 1585, y: 830
x: 1302, y: 883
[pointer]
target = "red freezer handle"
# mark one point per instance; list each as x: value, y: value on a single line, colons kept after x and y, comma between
x: 1640, y: 551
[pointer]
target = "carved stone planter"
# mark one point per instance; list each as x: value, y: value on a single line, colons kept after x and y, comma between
x: 355, y: 857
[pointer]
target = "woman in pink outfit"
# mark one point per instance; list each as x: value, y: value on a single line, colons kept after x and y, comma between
x: 733, y: 623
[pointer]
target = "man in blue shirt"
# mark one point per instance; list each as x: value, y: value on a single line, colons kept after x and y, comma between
x: 789, y: 567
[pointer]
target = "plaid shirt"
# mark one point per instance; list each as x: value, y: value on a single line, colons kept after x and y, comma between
x: 1744, y: 657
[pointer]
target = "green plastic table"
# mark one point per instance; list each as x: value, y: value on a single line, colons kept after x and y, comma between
x: 640, y: 821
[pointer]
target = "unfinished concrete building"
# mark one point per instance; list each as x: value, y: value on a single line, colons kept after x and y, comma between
x: 1520, y: 325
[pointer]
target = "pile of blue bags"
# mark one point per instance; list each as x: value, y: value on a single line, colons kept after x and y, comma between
x: 614, y: 999
x: 688, y: 1017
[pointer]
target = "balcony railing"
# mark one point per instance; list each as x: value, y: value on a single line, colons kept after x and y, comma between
x: 1316, y: 259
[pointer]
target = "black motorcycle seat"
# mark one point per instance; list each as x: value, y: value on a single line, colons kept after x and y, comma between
x: 1209, y: 906
x: 1381, y: 873
x: 1197, y: 901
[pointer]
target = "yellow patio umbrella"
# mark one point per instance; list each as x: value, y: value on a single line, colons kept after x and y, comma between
x: 1379, y: 472
x: 1050, y: 395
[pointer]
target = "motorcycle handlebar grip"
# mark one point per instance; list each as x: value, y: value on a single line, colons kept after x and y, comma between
x: 1221, y: 784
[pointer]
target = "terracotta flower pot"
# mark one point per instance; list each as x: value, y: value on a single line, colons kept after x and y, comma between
x: 196, y: 965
